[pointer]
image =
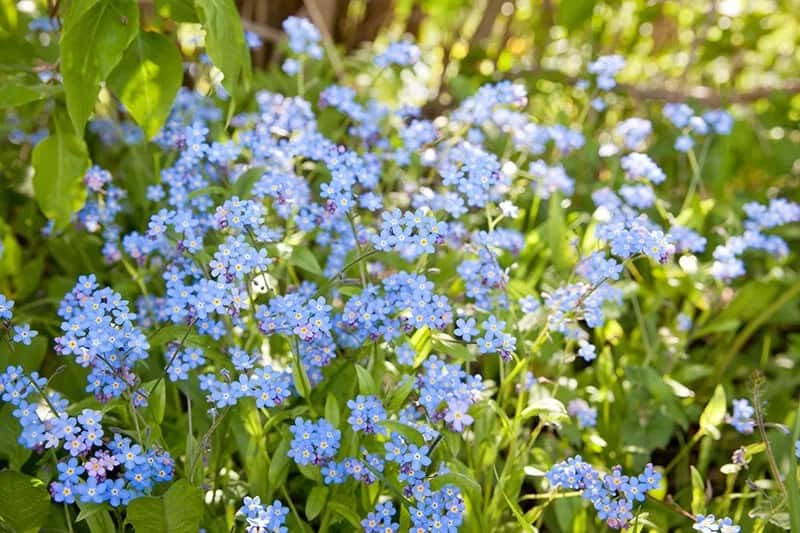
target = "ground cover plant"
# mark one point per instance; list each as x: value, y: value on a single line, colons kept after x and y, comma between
x: 318, y: 296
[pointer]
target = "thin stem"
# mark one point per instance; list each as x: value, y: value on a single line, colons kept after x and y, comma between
x: 773, y: 465
x: 683, y: 451
x: 361, y: 267
x: 68, y: 518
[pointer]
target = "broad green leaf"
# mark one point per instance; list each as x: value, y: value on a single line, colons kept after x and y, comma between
x: 96, y: 517
x: 94, y: 38
x: 147, y: 79
x: 177, y: 10
x: 225, y: 43
x: 305, y: 259
x: 410, y: 434
x: 347, y: 513
x: 24, y: 501
x: 16, y: 92
x: 179, y: 510
x: 316, y: 501
x: 8, y: 15
x: 60, y: 162
x: 29, y: 357
x: 714, y: 413
x: 246, y: 180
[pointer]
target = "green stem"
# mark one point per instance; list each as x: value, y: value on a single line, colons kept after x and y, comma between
x: 68, y: 518
x: 683, y: 451
x: 773, y: 465
x: 742, y: 338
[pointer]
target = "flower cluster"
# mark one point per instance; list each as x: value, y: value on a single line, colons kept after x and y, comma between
x: 99, y: 332
x: 742, y: 417
x: 314, y: 442
x: 727, y: 262
x: 712, y: 524
x: 613, y: 495
x: 263, y: 519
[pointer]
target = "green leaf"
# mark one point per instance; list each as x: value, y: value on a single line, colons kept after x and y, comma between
x: 411, y: 435
x: 279, y: 466
x: 698, y: 492
x: 94, y: 38
x: 147, y: 80
x: 177, y: 10
x: 24, y: 501
x: 305, y: 259
x: 156, y: 402
x: 179, y: 510
x: 714, y: 413
x: 365, y: 382
x: 346, y: 512
x: 246, y: 180
x: 301, y: 381
x: 60, y: 162
x: 16, y: 92
x: 316, y: 501
x: 792, y: 488
x: 332, y: 410
x: 96, y: 516
x: 225, y: 43
x: 545, y: 408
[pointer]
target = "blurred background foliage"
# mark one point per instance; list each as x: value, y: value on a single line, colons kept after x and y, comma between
x: 739, y: 53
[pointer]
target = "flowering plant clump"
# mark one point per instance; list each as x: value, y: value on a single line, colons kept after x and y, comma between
x: 382, y: 320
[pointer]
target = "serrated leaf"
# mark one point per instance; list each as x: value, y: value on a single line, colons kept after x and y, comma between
x: 24, y: 501
x: 714, y: 413
x: 60, y: 162
x: 147, y: 79
x: 95, y: 36
x: 179, y: 510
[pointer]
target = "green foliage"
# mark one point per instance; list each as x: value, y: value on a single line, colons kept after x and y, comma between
x: 179, y: 510
x: 24, y: 501
x: 225, y: 43
x: 95, y: 36
x: 60, y: 162
x: 147, y: 79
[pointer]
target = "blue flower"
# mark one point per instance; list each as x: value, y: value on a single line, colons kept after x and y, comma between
x: 23, y: 334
